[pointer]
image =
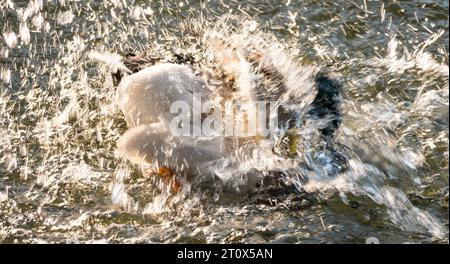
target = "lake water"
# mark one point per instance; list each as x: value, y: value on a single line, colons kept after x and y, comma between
x: 61, y: 180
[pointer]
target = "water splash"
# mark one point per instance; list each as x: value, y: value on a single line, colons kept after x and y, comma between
x: 59, y: 125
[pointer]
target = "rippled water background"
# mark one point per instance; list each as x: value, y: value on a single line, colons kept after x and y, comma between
x: 62, y: 182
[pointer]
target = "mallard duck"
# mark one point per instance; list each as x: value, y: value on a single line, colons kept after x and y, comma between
x: 146, y: 90
x: 145, y: 98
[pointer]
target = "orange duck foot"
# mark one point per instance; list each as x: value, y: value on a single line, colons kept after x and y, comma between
x: 169, y: 178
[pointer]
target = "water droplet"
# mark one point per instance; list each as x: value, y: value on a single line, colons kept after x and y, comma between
x: 65, y: 18
x: 4, y: 53
x: 10, y: 38
x: 24, y: 33
x: 5, y: 75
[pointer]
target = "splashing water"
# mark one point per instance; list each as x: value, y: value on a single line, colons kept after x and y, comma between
x: 62, y: 180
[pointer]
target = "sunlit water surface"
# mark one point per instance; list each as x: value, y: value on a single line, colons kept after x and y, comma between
x: 61, y: 180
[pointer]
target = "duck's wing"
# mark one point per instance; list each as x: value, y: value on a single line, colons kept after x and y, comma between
x: 146, y: 96
x: 153, y: 144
